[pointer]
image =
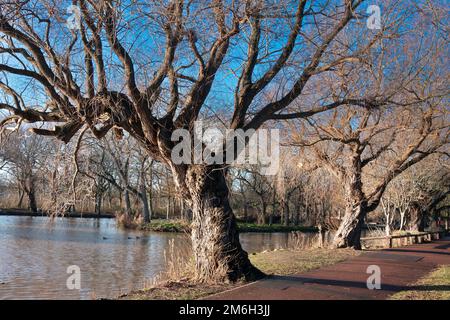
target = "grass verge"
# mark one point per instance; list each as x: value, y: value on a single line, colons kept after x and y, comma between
x: 182, y: 226
x: 288, y: 262
x: 434, y: 286
x: 280, y: 262
x: 166, y: 226
x: 253, y: 227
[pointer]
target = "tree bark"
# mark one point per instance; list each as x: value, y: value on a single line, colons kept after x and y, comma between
x: 98, y: 203
x: 29, y: 190
x: 215, y: 238
x: 349, y: 231
x: 143, y: 197
x: 244, y: 198
x: 285, y: 212
x: 262, y: 217
x: 128, y: 210
x: 402, y: 220
x: 417, y: 220
x: 167, y: 208
x: 21, y: 194
x: 32, y: 201
x: 145, y: 206
x: 387, y: 228
x: 297, y: 211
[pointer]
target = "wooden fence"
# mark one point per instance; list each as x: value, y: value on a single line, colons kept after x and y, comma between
x: 406, y: 239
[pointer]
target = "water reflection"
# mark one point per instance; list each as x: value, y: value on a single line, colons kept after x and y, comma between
x: 36, y: 251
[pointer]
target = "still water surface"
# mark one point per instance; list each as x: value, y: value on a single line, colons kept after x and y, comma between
x: 36, y: 251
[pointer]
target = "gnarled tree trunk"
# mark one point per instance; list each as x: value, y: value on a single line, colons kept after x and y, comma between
x: 215, y: 238
x: 349, y: 231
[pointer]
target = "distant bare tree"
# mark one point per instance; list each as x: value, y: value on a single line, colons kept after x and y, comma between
x: 23, y: 157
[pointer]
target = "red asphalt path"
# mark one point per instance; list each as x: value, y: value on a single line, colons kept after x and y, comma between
x: 348, y: 280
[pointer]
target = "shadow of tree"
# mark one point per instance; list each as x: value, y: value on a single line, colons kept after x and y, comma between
x: 416, y: 251
x: 299, y: 281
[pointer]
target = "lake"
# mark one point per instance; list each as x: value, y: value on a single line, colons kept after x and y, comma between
x: 36, y: 251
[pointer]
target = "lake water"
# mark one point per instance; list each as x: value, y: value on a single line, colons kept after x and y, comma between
x: 36, y: 251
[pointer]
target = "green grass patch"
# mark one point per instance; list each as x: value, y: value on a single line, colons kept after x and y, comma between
x: 183, y: 226
x: 253, y: 227
x: 166, y: 226
x: 434, y: 286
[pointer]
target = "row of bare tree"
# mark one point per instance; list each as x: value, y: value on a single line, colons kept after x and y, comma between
x: 116, y: 176
x: 102, y: 176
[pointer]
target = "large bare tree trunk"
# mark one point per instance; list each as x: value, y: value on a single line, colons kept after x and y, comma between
x: 349, y: 231
x: 215, y: 238
x: 417, y: 220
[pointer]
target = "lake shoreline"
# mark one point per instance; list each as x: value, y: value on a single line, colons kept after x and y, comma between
x: 158, y: 225
x: 27, y: 213
x: 162, y: 225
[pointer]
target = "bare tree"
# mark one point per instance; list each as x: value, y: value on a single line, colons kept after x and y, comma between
x: 262, y: 187
x: 24, y: 156
x: 349, y: 136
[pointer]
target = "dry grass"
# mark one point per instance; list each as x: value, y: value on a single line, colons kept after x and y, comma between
x: 179, y: 265
x: 288, y: 262
x: 177, y: 290
x: 128, y: 222
x: 179, y: 280
x: 435, y: 286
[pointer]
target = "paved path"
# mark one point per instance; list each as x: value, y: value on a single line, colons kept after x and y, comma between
x: 347, y: 280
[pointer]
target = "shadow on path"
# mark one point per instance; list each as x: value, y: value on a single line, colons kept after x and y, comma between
x: 299, y: 281
x: 418, y: 251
